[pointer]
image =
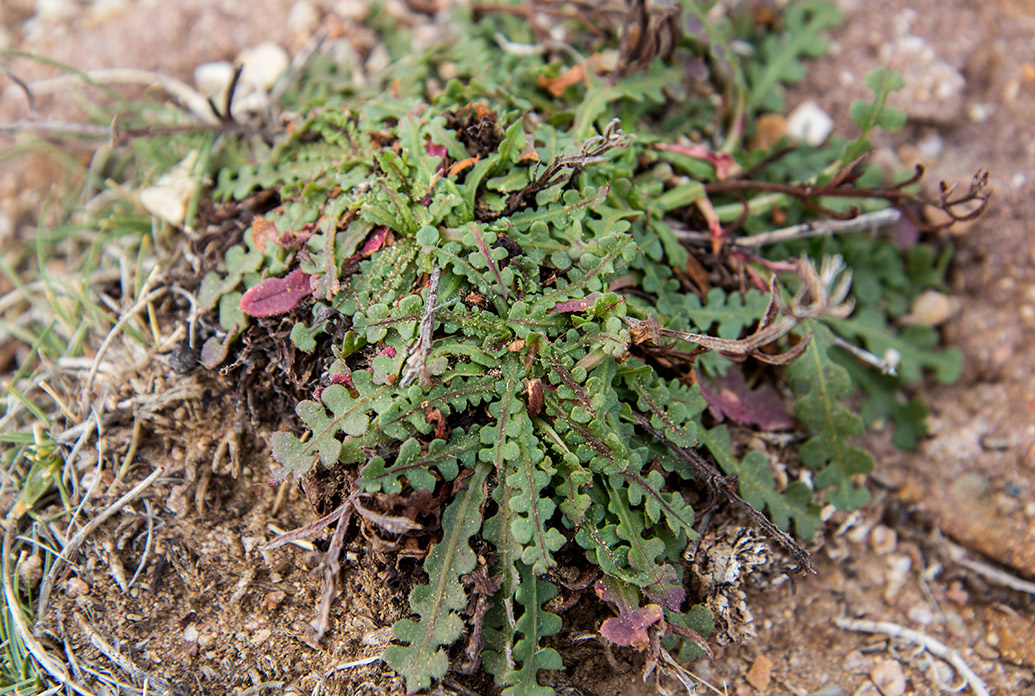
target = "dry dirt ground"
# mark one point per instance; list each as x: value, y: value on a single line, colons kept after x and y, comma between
x: 944, y: 549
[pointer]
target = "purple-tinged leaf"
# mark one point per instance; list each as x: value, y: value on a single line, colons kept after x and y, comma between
x: 730, y: 397
x: 581, y: 305
x: 275, y: 296
x: 629, y: 628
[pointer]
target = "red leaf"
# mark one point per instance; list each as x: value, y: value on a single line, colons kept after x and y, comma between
x: 345, y: 380
x: 730, y: 397
x: 723, y: 162
x: 275, y: 296
x: 373, y: 244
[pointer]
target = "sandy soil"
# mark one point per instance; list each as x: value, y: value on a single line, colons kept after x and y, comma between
x: 213, y: 614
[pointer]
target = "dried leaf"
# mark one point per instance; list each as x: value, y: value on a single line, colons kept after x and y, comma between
x: 264, y: 231
x: 556, y: 86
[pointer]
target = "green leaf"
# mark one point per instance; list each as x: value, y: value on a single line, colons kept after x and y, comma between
x: 535, y: 624
x: 421, y: 658
x: 876, y: 114
x: 757, y: 486
x: 778, y: 59
x: 820, y: 384
x: 531, y: 509
x: 347, y: 415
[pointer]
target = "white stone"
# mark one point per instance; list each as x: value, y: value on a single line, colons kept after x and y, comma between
x: 931, y: 146
x: 102, y: 10
x: 933, y: 308
x: 169, y: 196
x: 263, y: 64
x: 810, y: 124
x: 212, y: 79
x: 55, y: 11
x: 921, y: 615
x: 356, y: 10
x: 303, y: 18
x: 889, y: 678
x: 190, y: 634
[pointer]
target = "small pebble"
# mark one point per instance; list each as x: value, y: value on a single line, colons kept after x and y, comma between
x: 810, y: 124
x: 303, y: 18
x: 956, y: 594
x: 190, y: 634
x: 273, y: 600
x: 932, y: 308
x: 262, y: 636
x: 921, y: 615
x: 212, y: 79
x: 263, y: 64
x: 883, y: 540
x: 832, y: 690
x: 854, y: 660
x: 760, y: 673
x: 867, y: 689
x: 888, y: 677
x: 75, y: 587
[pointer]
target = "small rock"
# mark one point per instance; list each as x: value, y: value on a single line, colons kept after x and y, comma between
x: 888, y: 677
x: 933, y: 308
x: 921, y: 615
x: 760, y: 673
x: 356, y: 10
x: 263, y: 64
x: 931, y: 146
x: 273, y: 600
x: 74, y: 587
x: 31, y: 570
x: 941, y: 674
x: 212, y: 79
x: 832, y: 690
x: 769, y: 128
x: 867, y: 689
x: 854, y: 661
x: 303, y: 18
x: 898, y: 569
x: 103, y: 10
x: 56, y: 11
x: 986, y: 651
x: 956, y: 594
x: 883, y: 540
x: 190, y: 634
x: 262, y: 636
x: 169, y: 196
x: 810, y: 124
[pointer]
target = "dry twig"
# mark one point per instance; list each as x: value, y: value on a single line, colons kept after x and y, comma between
x: 933, y: 646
